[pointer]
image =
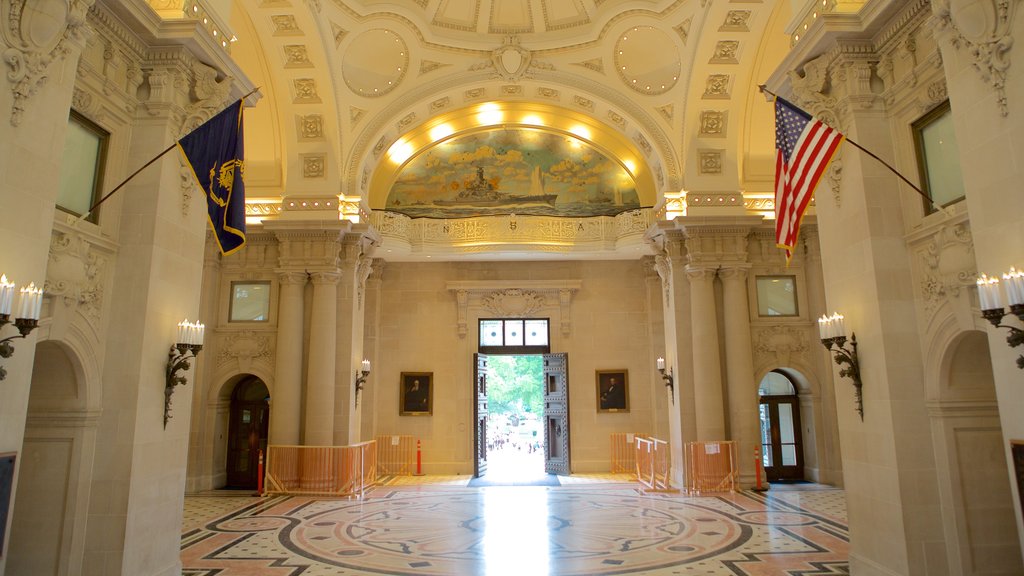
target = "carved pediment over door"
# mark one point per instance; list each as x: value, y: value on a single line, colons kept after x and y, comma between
x: 514, y: 299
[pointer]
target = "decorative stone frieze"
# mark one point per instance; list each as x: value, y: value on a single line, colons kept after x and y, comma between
x: 946, y: 263
x: 779, y: 345
x: 311, y: 127
x: 244, y: 347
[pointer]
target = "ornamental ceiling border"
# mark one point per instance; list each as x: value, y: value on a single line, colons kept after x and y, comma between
x: 514, y: 298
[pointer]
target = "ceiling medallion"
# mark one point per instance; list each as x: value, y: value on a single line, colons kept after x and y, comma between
x: 511, y: 60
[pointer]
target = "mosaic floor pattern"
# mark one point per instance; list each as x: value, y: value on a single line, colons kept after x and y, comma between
x: 445, y: 529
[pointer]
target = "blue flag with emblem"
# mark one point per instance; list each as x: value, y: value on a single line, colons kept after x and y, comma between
x: 215, y: 153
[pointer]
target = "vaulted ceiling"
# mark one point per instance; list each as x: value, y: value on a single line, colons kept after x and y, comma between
x: 667, y: 85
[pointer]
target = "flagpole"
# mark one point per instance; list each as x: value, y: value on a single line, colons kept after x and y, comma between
x: 144, y: 166
x: 872, y: 154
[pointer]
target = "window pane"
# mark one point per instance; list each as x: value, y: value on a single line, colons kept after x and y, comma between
x: 536, y: 332
x: 79, y: 176
x: 250, y: 301
x: 766, y: 424
x: 766, y: 450
x: 513, y: 332
x: 776, y: 384
x: 941, y: 156
x: 786, y: 423
x: 776, y: 296
x: 490, y: 332
x: 788, y: 455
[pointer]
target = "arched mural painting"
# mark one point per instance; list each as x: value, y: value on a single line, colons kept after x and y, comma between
x: 512, y: 171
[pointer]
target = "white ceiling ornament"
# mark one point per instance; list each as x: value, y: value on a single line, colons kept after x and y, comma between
x: 511, y: 60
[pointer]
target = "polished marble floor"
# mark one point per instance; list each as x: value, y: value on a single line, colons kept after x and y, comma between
x: 589, y: 526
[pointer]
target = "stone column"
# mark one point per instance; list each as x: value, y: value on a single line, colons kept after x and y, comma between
x: 286, y: 398
x: 323, y: 338
x: 707, y: 368
x: 739, y: 364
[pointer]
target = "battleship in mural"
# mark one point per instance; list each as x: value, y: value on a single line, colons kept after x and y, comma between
x: 483, y: 193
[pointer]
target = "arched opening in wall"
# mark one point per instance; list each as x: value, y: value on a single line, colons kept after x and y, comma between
x: 781, y: 437
x: 48, y: 522
x: 248, y: 431
x: 971, y: 463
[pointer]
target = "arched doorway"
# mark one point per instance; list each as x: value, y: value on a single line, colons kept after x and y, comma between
x: 248, y: 430
x: 781, y: 440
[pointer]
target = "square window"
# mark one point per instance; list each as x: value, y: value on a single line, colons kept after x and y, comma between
x: 250, y: 302
x: 491, y: 332
x: 513, y: 332
x: 938, y: 157
x: 536, y: 332
x: 81, y: 174
x: 776, y: 296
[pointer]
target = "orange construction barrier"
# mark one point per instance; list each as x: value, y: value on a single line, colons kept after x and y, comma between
x: 623, y: 451
x: 395, y: 455
x: 711, y: 467
x: 322, y: 470
x: 653, y: 465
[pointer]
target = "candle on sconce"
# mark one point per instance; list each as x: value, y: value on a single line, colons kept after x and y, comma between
x: 6, y: 295
x: 823, y: 327
x: 366, y: 365
x: 30, y: 302
x: 182, y: 332
x: 1014, y: 287
x: 661, y: 363
x: 200, y: 333
x: 840, y: 325
x: 989, y: 297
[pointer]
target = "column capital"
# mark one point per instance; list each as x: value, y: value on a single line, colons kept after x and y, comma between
x: 697, y: 274
x: 325, y: 277
x: 734, y: 272
x: 291, y: 277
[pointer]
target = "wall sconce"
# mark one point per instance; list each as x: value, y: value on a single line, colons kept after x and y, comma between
x: 29, y: 305
x: 361, y: 378
x: 832, y: 330
x: 992, y: 305
x: 190, y: 342
x: 667, y: 377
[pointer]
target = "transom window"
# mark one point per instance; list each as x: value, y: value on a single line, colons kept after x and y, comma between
x: 514, y: 336
x: 250, y: 302
x: 938, y: 157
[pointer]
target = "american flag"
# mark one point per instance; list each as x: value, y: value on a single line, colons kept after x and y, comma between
x: 804, y: 147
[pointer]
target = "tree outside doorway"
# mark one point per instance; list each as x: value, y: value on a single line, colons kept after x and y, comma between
x: 515, y: 398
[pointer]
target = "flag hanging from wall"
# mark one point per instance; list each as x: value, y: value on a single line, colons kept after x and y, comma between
x: 215, y: 153
x: 804, y: 147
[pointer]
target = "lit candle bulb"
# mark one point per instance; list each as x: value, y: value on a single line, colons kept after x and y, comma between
x: 366, y: 365
x: 39, y: 304
x: 200, y: 333
x: 182, y: 331
x: 661, y: 363
x: 823, y: 327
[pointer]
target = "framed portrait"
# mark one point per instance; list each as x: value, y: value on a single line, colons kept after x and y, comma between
x: 612, y: 391
x: 416, y: 394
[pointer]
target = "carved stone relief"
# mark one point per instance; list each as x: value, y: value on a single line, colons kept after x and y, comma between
x: 709, y: 161
x: 313, y: 165
x: 947, y: 265
x: 779, y: 345
x: 244, y: 347
x: 513, y: 303
x: 296, y: 56
x: 75, y: 273
x: 736, y: 21
x: 285, y: 25
x: 305, y: 91
x: 982, y: 29
x: 725, y: 52
x: 40, y: 33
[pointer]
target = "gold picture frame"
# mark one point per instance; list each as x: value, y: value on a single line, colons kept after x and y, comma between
x: 612, y: 390
x: 416, y: 394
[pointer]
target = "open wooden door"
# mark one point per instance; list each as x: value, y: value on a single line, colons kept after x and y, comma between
x: 556, y: 414
x: 480, y: 413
